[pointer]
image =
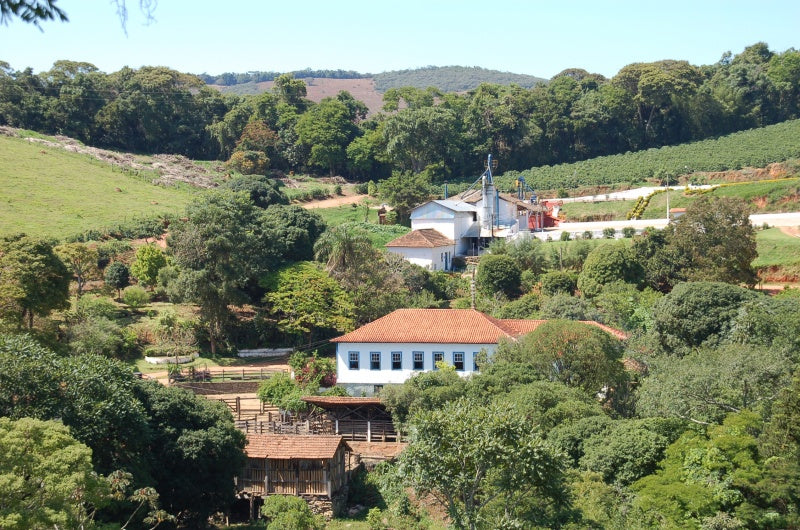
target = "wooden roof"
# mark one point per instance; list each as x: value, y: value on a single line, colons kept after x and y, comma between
x: 334, y: 401
x: 422, y: 238
x: 292, y: 446
x: 447, y: 326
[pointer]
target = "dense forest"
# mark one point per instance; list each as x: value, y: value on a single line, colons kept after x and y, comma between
x: 575, y: 116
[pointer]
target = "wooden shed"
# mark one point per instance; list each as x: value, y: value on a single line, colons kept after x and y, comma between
x: 356, y: 418
x: 307, y: 465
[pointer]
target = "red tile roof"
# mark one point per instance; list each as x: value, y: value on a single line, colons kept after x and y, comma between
x: 447, y: 326
x: 423, y: 238
x: 439, y: 326
x: 288, y: 446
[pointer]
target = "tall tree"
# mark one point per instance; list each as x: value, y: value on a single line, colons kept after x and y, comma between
x: 33, y: 280
x: 327, y: 128
x: 46, y: 477
x: 470, y: 457
x: 218, y: 251
x: 82, y: 260
x: 305, y: 299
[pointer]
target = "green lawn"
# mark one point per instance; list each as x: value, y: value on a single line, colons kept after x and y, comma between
x: 578, y: 212
x: 50, y: 192
x: 776, y: 249
x: 347, y: 213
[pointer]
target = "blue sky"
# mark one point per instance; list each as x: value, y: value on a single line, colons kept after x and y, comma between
x: 539, y: 38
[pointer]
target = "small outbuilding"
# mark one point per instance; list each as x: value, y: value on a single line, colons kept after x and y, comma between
x: 310, y: 466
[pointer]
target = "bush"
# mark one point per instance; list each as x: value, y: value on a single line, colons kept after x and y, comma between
x: 609, y: 233
x: 565, y: 236
x: 588, y: 234
x: 95, y: 306
x: 135, y: 297
x: 498, y: 274
x: 287, y: 512
x: 558, y: 282
x: 628, y: 232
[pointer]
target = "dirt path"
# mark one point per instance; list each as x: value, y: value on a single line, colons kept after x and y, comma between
x: 336, y: 201
x: 791, y: 231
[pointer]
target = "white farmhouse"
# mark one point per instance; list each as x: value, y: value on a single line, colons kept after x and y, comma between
x: 391, y: 349
x: 426, y: 248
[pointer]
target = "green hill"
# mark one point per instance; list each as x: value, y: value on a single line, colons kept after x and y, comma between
x: 50, y: 192
x: 451, y: 78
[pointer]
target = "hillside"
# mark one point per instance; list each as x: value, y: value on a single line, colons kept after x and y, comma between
x: 370, y: 89
x: 50, y: 191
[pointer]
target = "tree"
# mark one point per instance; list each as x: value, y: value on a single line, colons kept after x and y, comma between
x: 33, y: 280
x: 192, y: 435
x: 717, y: 240
x: 218, y: 250
x: 606, y: 264
x: 404, y: 191
x: 470, y: 457
x: 148, y: 261
x: 82, y: 260
x: 327, y: 128
x: 304, y: 299
x: 117, y: 275
x: 263, y: 191
x: 417, y: 138
x: 498, y: 273
x: 707, y: 384
x: 293, y: 229
x: 46, y: 477
x: 697, y: 313
x: 574, y: 353
x: 33, y: 11
x: 627, y: 450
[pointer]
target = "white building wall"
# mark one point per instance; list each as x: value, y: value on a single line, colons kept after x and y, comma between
x: 430, y: 258
x: 446, y: 227
x: 507, y: 213
x: 387, y: 374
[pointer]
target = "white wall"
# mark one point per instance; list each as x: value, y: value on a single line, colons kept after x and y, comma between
x: 430, y: 258
x: 387, y: 375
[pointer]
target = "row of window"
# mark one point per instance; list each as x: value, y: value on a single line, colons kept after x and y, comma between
x: 417, y: 360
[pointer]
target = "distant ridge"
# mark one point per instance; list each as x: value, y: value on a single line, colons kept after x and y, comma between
x: 445, y: 78
x: 451, y: 78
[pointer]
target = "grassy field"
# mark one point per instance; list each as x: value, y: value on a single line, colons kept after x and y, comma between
x: 579, y: 212
x: 49, y: 192
x: 347, y: 213
x: 776, y: 249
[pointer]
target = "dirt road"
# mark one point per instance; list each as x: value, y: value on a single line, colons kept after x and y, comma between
x: 336, y: 201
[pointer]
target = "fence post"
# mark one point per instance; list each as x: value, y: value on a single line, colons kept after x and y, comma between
x: 238, y: 407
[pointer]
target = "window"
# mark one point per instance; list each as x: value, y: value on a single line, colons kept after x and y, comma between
x: 397, y: 360
x: 375, y: 360
x: 458, y: 360
x: 437, y: 356
x: 353, y: 358
x: 418, y: 360
x: 376, y: 389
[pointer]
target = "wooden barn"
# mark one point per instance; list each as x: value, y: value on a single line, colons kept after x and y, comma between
x: 304, y: 465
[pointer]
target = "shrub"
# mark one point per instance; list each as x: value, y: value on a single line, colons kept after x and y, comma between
x: 95, y: 306
x: 628, y: 232
x: 588, y: 234
x: 135, y: 297
x: 565, y: 236
x: 287, y: 512
x: 558, y: 282
x: 609, y: 233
